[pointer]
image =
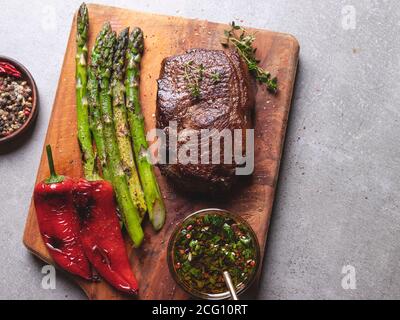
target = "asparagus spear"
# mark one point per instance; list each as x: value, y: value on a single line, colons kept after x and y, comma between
x: 96, y: 125
x: 129, y: 212
x: 84, y: 137
x: 154, y: 200
x: 121, y: 123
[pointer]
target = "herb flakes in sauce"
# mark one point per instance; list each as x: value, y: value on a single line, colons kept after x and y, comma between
x: 209, y: 244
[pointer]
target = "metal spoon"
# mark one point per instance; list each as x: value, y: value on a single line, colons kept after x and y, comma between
x: 230, y: 285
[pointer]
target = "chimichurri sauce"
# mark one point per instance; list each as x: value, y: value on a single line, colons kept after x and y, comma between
x: 209, y: 244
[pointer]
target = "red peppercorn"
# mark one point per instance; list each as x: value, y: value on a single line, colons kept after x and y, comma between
x: 27, y: 112
x: 189, y: 227
x: 178, y: 265
x: 188, y: 236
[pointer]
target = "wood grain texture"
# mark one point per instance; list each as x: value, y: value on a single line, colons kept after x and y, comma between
x: 165, y: 36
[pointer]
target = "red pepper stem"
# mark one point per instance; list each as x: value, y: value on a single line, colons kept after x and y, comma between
x: 50, y: 160
x: 54, y: 178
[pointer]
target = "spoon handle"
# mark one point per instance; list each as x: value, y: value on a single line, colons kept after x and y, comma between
x: 230, y: 286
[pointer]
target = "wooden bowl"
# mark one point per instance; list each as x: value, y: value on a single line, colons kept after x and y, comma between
x: 25, y: 75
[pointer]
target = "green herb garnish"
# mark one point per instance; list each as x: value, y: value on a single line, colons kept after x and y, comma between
x: 193, y: 76
x: 243, y: 42
x: 210, y: 244
x: 216, y: 77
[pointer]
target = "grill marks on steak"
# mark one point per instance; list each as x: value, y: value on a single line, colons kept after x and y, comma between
x: 222, y: 104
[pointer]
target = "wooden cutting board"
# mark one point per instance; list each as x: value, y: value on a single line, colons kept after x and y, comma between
x: 165, y: 36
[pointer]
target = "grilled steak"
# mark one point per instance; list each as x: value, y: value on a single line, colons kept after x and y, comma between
x: 203, y: 89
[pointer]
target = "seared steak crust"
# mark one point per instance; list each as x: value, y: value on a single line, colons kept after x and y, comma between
x: 224, y: 102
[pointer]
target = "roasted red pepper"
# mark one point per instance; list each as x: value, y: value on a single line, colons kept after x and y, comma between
x: 58, y: 222
x: 101, y: 235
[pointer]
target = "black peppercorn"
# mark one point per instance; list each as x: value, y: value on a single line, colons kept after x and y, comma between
x: 15, y: 104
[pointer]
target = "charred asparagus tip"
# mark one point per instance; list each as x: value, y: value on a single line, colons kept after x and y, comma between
x: 82, y: 24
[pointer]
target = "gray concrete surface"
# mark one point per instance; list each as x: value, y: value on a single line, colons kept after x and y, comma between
x: 337, y: 202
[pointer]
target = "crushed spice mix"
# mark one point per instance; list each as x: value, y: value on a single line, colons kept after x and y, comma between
x: 15, y: 103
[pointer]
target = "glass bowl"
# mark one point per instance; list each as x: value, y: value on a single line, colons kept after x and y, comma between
x: 240, y: 288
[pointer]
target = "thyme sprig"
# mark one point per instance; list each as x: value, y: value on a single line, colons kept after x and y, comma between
x: 194, y: 74
x: 243, y: 42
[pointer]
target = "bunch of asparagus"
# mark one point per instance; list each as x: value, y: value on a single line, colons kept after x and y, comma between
x: 111, y: 129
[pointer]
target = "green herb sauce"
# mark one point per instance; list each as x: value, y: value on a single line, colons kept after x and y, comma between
x: 210, y: 244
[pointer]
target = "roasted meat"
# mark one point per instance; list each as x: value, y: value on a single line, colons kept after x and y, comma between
x: 203, y: 89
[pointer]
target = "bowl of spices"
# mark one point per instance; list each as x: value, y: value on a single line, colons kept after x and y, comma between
x: 18, y: 99
x: 207, y: 243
